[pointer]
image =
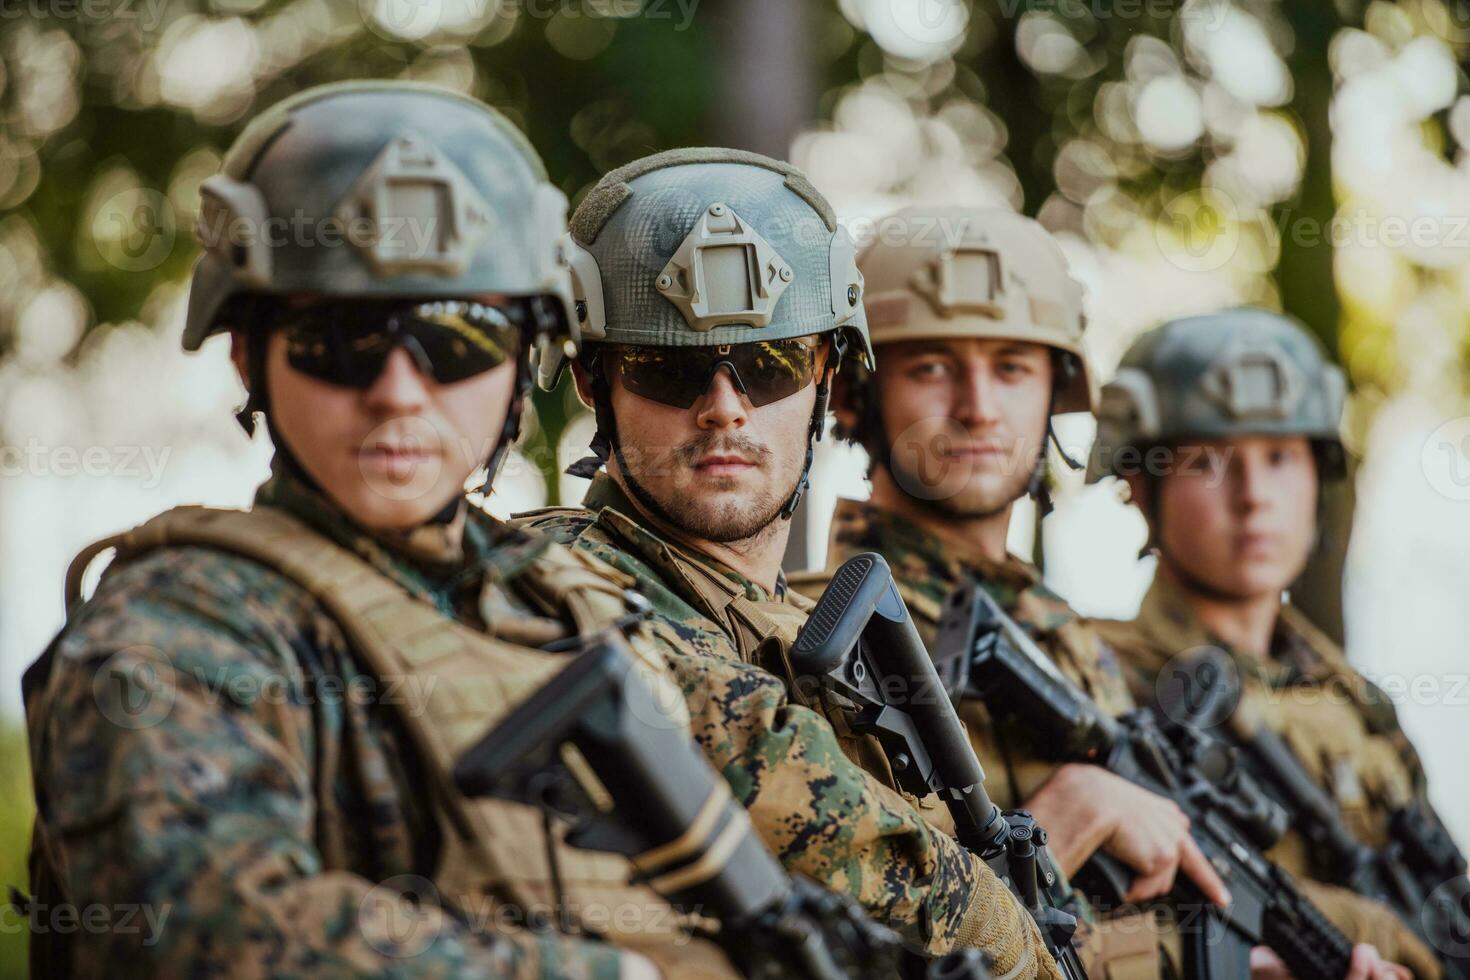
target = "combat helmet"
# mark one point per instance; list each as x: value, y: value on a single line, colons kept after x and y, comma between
x: 1238, y: 372
x: 708, y: 248
x: 380, y: 189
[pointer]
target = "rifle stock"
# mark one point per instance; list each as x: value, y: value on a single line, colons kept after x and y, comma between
x: 860, y: 645
x: 595, y: 747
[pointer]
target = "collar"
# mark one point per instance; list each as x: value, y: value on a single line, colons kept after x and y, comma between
x: 1299, y: 651
x: 431, y: 560
x: 862, y: 525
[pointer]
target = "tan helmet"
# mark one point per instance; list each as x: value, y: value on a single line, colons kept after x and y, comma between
x: 975, y: 272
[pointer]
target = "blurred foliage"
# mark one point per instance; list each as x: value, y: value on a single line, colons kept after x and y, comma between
x: 15, y: 830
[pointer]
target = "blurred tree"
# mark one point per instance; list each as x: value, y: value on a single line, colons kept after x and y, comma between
x: 1308, y: 288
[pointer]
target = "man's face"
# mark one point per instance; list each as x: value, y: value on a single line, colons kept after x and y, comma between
x: 966, y: 419
x: 1242, y: 517
x: 396, y: 453
x: 722, y: 468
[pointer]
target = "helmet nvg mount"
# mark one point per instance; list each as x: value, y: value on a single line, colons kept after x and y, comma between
x: 381, y: 189
x: 709, y: 248
x: 1234, y: 373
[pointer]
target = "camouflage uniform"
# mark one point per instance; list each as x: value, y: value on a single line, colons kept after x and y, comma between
x: 998, y: 276
x: 834, y: 821
x: 1354, y: 748
x: 1345, y: 731
x: 702, y: 257
x: 928, y: 569
x: 258, y: 823
x: 223, y: 735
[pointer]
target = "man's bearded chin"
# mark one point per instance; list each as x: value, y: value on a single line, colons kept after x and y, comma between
x: 731, y: 521
x: 727, y: 522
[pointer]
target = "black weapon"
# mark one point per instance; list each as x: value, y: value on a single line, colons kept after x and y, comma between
x: 860, y: 646
x: 1203, y: 689
x: 1231, y: 819
x: 595, y: 747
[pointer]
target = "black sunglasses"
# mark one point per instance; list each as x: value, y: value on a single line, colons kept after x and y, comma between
x: 347, y: 342
x: 764, y: 371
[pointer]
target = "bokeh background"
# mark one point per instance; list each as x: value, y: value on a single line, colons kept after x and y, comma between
x: 1303, y: 155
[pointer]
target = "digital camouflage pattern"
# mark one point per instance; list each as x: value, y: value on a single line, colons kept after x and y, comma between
x: 206, y: 746
x: 819, y: 812
x: 928, y: 568
x: 1342, y: 727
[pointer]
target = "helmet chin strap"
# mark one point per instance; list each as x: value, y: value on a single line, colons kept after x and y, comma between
x: 537, y: 320
x: 818, y: 426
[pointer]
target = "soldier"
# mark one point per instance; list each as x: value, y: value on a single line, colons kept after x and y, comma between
x: 247, y: 732
x: 979, y: 327
x: 1225, y: 428
x: 719, y: 297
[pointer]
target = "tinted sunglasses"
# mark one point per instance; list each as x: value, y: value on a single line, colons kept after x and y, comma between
x: 347, y: 342
x: 765, y: 371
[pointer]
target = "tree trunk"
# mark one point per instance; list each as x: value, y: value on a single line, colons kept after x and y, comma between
x: 1308, y: 289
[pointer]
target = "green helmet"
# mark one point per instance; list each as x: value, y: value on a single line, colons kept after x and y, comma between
x: 707, y: 248
x: 391, y: 189
x: 1234, y: 373
x: 381, y: 189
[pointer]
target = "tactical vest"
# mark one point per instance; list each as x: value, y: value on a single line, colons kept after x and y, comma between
x: 762, y: 632
x: 1325, y: 722
x: 494, y: 853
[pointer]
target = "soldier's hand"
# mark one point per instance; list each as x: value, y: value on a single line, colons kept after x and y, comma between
x: 631, y: 966
x: 1086, y: 808
x: 1366, y: 965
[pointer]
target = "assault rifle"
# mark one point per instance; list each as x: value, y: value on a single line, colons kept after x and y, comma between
x: 987, y: 655
x: 595, y: 747
x: 860, y: 646
x: 1408, y: 874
